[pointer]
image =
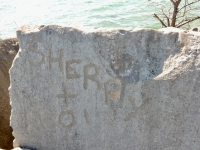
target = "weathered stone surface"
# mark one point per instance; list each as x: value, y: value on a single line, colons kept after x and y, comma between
x: 8, y: 50
x: 106, y: 89
x: 18, y: 148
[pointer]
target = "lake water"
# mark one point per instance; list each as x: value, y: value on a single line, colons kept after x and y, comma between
x: 95, y: 13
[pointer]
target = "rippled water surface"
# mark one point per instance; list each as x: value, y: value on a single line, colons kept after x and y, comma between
x: 95, y: 13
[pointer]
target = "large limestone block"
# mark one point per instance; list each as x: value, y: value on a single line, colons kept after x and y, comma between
x: 106, y: 89
x: 8, y: 50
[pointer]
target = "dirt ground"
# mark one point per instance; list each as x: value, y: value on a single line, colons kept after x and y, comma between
x: 8, y: 50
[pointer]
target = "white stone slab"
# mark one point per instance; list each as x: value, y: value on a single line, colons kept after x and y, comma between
x: 106, y: 89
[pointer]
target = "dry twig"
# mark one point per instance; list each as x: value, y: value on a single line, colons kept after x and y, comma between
x: 176, y: 17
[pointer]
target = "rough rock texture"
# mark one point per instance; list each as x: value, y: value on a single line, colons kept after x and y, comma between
x: 106, y: 89
x: 8, y: 50
x: 18, y: 148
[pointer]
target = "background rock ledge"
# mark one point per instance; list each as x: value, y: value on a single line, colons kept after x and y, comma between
x: 106, y: 89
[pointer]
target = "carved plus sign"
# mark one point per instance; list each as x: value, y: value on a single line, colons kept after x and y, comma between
x: 65, y: 94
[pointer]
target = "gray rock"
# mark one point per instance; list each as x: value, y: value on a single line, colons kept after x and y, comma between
x: 197, y: 29
x: 106, y: 89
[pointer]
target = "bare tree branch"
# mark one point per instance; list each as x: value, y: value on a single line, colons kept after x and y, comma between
x: 188, y: 21
x: 154, y: 15
x: 189, y: 4
x: 175, y: 11
x: 174, y: 16
x: 186, y: 11
x: 168, y: 21
x: 173, y: 1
